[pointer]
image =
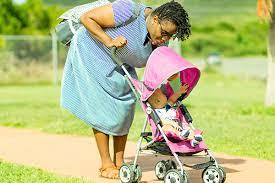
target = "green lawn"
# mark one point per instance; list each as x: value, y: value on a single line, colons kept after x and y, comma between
x: 229, y: 110
x: 11, y: 173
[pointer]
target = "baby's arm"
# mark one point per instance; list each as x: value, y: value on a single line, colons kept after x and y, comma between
x: 173, y: 98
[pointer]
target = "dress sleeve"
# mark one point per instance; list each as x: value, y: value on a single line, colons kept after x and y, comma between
x: 122, y: 11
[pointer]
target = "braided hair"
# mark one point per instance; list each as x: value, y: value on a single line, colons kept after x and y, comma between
x: 174, y: 12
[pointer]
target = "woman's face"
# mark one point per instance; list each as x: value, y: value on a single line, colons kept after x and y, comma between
x: 160, y: 31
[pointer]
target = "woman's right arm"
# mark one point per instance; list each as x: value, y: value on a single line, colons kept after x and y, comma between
x: 99, y: 18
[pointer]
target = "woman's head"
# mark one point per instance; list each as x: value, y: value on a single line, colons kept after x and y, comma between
x: 169, y: 20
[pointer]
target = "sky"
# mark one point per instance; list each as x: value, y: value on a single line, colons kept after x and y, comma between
x: 19, y: 1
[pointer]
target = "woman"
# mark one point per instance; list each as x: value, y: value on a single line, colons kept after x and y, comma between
x: 93, y: 86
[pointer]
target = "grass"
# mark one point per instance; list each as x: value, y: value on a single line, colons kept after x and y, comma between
x: 229, y: 110
x: 232, y: 114
x: 17, y: 173
x: 37, y: 106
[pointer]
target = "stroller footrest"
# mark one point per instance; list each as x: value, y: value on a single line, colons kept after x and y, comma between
x: 202, y: 165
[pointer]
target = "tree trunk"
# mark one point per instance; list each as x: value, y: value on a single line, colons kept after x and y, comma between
x: 270, y: 90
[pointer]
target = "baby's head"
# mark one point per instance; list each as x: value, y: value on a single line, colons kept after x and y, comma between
x: 173, y: 77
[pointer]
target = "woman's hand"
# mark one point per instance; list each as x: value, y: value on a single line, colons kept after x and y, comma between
x: 118, y: 42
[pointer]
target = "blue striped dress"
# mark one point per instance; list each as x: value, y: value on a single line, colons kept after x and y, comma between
x: 93, y: 87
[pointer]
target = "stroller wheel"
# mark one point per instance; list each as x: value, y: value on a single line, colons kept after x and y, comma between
x: 212, y: 174
x: 160, y: 169
x: 163, y: 166
x: 174, y: 176
x: 223, y: 173
x: 126, y: 174
x: 172, y: 164
x: 137, y: 173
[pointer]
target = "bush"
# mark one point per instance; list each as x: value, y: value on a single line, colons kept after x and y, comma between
x: 227, y: 38
x: 31, y: 17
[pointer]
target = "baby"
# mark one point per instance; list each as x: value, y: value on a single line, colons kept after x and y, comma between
x: 170, y: 117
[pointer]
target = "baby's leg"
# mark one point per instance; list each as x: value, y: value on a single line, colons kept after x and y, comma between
x: 170, y: 124
x: 195, y: 138
x: 173, y: 126
x: 186, y: 131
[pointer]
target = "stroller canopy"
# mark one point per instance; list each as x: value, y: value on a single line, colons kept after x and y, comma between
x: 163, y: 63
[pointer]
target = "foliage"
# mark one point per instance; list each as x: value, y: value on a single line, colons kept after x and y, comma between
x: 10, y: 17
x: 32, y: 50
x: 244, y: 39
x: 66, y: 3
x: 31, y: 17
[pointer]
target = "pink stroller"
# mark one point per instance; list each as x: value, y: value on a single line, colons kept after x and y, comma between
x: 163, y: 63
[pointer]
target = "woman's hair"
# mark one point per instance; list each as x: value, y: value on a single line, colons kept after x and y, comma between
x: 174, y: 12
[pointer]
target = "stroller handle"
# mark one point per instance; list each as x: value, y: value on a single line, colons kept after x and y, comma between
x: 120, y: 64
x: 115, y: 57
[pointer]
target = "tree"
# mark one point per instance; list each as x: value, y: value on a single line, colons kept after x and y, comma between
x: 266, y: 9
x: 9, y: 18
x: 30, y: 17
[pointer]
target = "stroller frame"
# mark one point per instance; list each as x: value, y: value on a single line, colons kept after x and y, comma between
x: 152, y: 113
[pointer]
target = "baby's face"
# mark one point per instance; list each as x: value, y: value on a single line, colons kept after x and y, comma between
x: 157, y: 99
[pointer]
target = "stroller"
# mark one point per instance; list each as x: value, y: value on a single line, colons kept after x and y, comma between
x: 163, y: 63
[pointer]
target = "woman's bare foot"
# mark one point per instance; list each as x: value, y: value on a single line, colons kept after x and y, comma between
x: 109, y: 172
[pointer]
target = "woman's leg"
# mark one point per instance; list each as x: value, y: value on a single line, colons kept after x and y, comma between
x: 119, y: 147
x: 107, y: 165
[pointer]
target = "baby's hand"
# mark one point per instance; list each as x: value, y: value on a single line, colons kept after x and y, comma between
x: 184, y: 88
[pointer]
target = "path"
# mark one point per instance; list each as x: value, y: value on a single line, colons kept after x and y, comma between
x: 78, y: 156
